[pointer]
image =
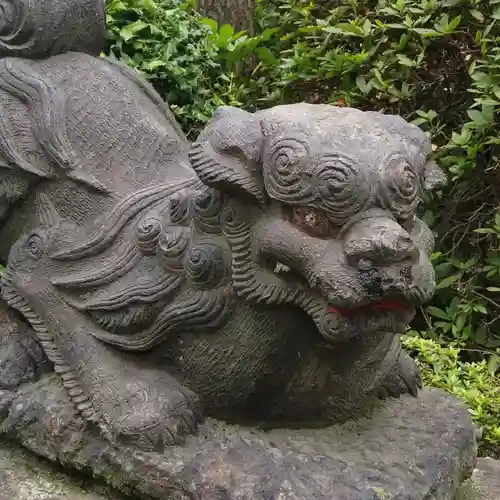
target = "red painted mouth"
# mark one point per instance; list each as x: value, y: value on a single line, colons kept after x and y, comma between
x: 386, y: 305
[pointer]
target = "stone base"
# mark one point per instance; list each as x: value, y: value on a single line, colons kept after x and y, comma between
x: 25, y: 477
x: 484, y: 483
x: 408, y: 449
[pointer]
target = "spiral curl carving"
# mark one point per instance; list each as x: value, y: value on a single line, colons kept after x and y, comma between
x: 35, y: 246
x: 284, y: 171
x: 180, y: 207
x: 208, y: 206
x: 233, y: 223
x: 332, y: 327
x: 172, y: 247
x: 206, y: 266
x: 398, y: 188
x: 147, y: 234
x: 342, y: 187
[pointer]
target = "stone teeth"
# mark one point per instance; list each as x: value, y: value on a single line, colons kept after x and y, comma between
x: 281, y: 268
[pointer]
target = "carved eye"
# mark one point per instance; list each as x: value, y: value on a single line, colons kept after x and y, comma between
x: 342, y: 187
x: 398, y: 189
x: 34, y: 246
x: 313, y: 222
x: 283, y: 160
x: 406, y: 185
x: 287, y: 154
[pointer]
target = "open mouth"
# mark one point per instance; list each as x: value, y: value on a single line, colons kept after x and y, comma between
x: 389, y: 305
x: 384, y: 305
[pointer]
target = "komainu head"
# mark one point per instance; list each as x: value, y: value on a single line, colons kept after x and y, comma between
x: 322, y: 211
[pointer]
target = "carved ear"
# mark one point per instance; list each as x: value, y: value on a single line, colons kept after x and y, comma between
x: 226, y: 155
x: 434, y: 177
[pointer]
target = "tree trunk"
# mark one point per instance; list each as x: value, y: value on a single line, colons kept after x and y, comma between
x: 238, y: 13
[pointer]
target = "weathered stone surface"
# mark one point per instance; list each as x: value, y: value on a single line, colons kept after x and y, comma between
x: 484, y: 483
x: 409, y: 449
x: 38, y: 29
x: 24, y: 477
x: 21, y: 357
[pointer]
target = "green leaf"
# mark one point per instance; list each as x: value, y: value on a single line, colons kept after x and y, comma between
x: 148, y: 5
x: 345, y: 29
x: 210, y: 23
x: 476, y: 14
x: 405, y: 61
x: 419, y: 121
x: 152, y: 65
x: 130, y: 30
x: 453, y: 24
x: 477, y: 117
x: 116, y: 6
x: 447, y: 282
x: 427, y: 32
x: 497, y: 219
x: 460, y: 322
x: 463, y: 138
x: 480, y: 308
x: 362, y: 85
x: 266, y: 56
x: 438, y: 313
x: 226, y: 32
x: 493, y: 289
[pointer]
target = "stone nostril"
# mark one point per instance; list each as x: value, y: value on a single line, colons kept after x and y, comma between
x: 405, y: 246
x: 375, y: 243
x: 381, y: 252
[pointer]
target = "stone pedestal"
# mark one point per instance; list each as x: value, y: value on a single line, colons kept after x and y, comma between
x: 405, y: 449
x: 409, y: 449
x: 25, y: 477
x: 484, y: 483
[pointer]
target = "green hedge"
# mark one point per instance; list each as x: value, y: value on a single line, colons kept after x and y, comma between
x: 474, y: 383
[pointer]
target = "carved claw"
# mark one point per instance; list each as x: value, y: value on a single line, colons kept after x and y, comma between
x: 404, y: 378
x: 151, y: 420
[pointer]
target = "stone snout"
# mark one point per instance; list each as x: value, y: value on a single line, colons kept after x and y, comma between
x: 378, y: 240
x: 386, y: 259
x: 373, y: 258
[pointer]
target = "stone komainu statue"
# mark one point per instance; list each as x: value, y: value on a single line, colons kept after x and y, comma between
x: 264, y: 271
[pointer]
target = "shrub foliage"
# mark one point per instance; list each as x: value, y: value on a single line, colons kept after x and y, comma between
x: 472, y: 382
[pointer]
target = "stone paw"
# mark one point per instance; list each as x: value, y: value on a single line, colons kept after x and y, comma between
x: 152, y: 420
x: 404, y: 378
